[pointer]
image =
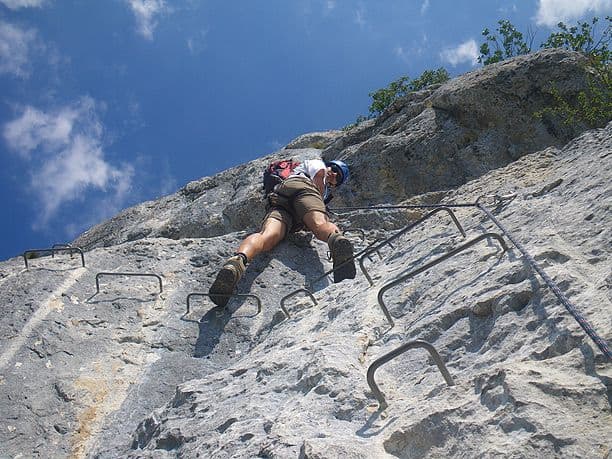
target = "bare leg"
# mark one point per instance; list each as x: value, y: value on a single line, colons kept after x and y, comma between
x: 319, y: 224
x: 272, y: 232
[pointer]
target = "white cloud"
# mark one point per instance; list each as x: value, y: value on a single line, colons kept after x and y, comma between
x: 15, y: 48
x: 360, y: 17
x: 330, y: 5
x: 197, y: 43
x: 146, y: 12
x: 416, y: 48
x: 16, y: 4
x: 275, y: 144
x: 508, y: 9
x: 34, y: 129
x: 424, y: 7
x: 405, y: 55
x: 551, y: 12
x: 77, y: 168
x: 465, y: 52
x: 64, y: 150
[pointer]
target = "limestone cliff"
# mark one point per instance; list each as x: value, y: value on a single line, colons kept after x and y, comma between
x: 432, y: 140
x: 126, y: 372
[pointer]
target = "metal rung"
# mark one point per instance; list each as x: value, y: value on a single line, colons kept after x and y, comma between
x: 374, y: 247
x: 356, y: 230
x: 54, y: 250
x: 411, y: 206
x: 99, y: 275
x: 65, y: 246
x: 239, y: 295
x: 292, y: 294
x: 426, y: 266
x: 369, y: 254
x: 388, y: 241
x: 575, y: 313
x: 497, y: 199
x: 395, y: 353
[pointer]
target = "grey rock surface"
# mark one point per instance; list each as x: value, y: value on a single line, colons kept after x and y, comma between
x: 211, y: 206
x: 528, y: 382
x: 439, y: 138
x: 430, y: 141
x: 127, y: 372
x: 318, y: 140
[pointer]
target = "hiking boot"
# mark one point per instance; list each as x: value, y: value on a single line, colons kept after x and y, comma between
x: 342, y: 255
x: 226, y: 280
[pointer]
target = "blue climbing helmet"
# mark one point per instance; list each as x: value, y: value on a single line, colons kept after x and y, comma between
x: 340, y: 168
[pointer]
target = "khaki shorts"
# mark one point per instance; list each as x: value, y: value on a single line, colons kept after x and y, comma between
x: 293, y: 199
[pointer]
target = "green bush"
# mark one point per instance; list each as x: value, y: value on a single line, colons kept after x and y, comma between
x: 582, y: 38
x: 360, y: 119
x: 510, y: 43
x: 429, y: 77
x: 384, y: 97
x: 593, y: 106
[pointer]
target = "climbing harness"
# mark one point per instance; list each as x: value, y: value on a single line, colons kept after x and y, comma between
x: 276, y: 172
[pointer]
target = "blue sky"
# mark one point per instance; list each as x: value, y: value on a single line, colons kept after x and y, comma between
x: 105, y: 104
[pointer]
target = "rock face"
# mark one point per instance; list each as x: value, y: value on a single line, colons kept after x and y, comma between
x: 128, y: 372
x: 432, y: 140
x: 230, y: 201
x: 318, y: 140
x: 439, y: 139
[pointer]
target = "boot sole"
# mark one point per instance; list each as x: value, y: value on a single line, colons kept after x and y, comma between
x: 343, y: 252
x: 224, y: 284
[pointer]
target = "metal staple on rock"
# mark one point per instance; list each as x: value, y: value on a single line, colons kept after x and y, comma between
x: 231, y: 295
x: 54, y: 250
x: 396, y: 352
x: 584, y: 324
x: 404, y: 230
x: 292, y: 294
x: 359, y: 231
x: 598, y: 340
x: 58, y: 246
x: 428, y: 265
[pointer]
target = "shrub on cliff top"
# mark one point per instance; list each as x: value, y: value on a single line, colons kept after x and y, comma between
x: 593, y: 106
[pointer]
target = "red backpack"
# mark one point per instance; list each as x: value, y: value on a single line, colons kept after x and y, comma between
x: 276, y: 172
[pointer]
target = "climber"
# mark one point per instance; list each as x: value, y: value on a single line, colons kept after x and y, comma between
x: 293, y: 204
